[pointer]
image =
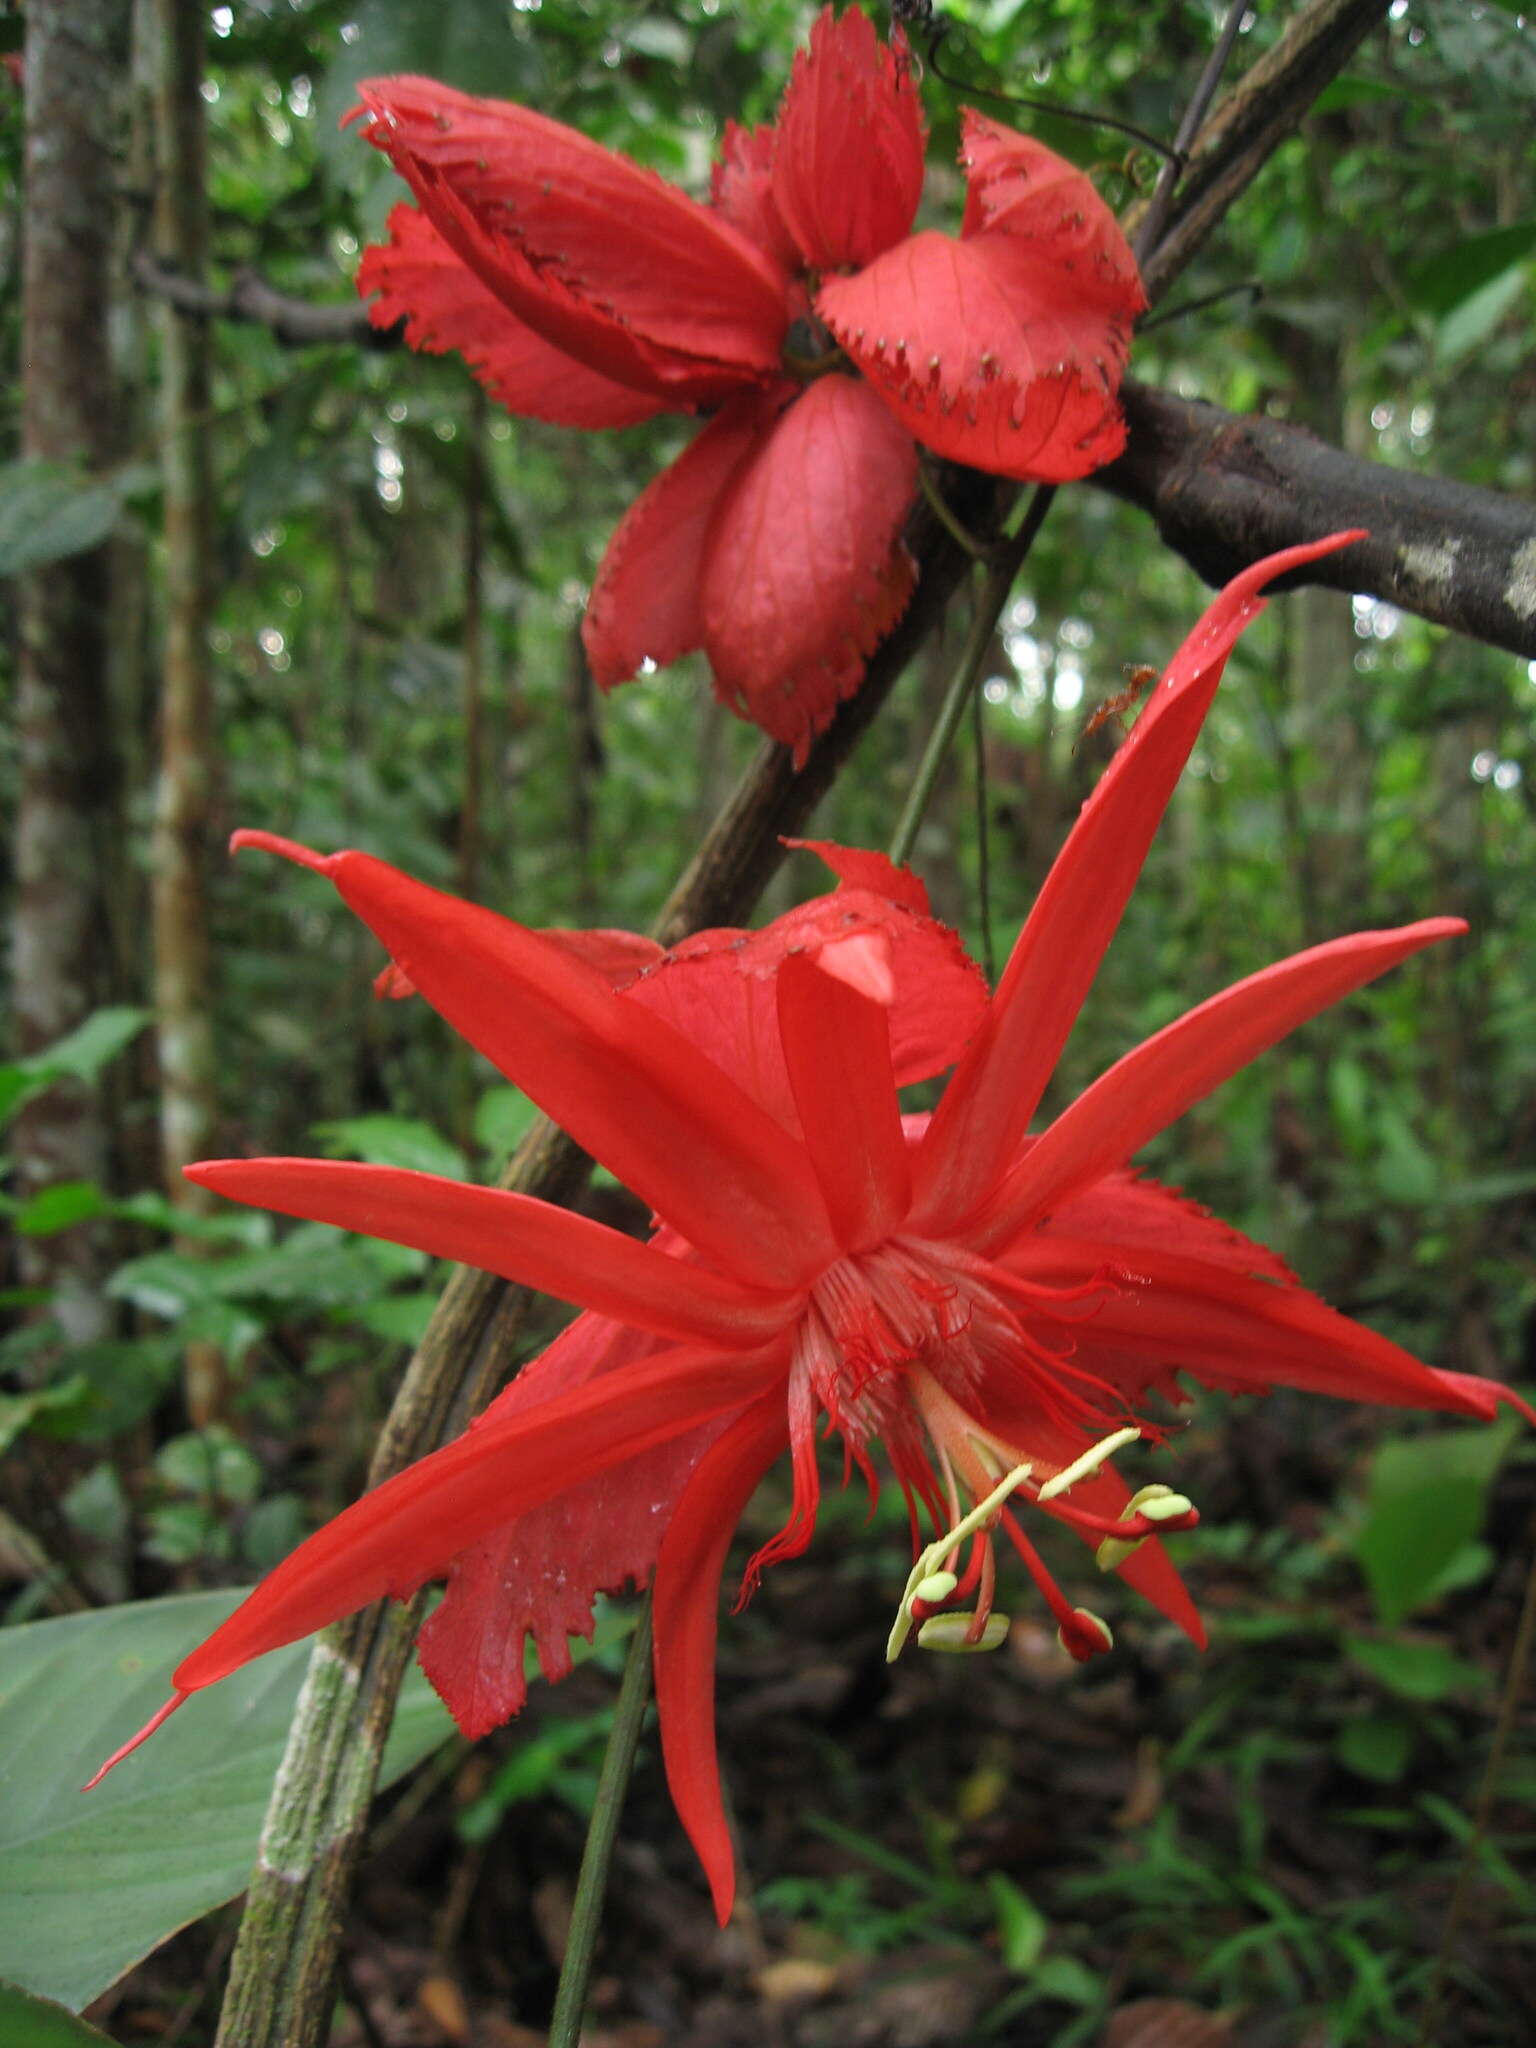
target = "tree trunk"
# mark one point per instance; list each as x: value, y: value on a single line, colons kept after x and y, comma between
x: 179, y: 881
x: 66, y: 822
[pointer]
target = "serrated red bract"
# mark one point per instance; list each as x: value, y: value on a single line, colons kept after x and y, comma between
x: 416, y: 277
x: 741, y: 188
x: 646, y: 603
x: 544, y: 213
x: 805, y: 571
x: 593, y: 293
x: 848, y: 170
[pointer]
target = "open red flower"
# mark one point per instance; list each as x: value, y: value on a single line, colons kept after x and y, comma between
x: 826, y: 338
x: 990, y: 1307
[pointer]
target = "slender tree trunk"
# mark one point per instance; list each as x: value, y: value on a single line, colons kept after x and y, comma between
x: 182, y: 970
x: 67, y: 808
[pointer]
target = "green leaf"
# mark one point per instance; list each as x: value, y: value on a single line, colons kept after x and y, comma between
x: 502, y: 1118
x: 210, y: 1463
x: 28, y: 2022
x: 1377, y: 1747
x: 1021, y: 1926
x: 1475, y: 319
x: 1405, y: 1172
x: 392, y: 1141
x: 398, y: 1318
x: 94, y: 1883
x: 1355, y: 92
x: 1418, y: 1671
x: 1424, y: 1505
x: 1470, y: 263
x: 48, y: 513
x: 58, y: 1207
x: 1064, y: 1977
x: 65, y: 1403
x: 80, y: 1054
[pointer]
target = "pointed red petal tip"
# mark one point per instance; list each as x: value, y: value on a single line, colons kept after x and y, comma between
x: 1266, y: 571
x: 155, y: 1721
x: 288, y: 849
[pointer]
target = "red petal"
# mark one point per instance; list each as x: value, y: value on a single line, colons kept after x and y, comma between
x: 419, y: 279
x: 741, y: 187
x: 805, y: 572
x: 981, y: 1122
x: 837, y: 1046
x: 645, y: 599
x: 619, y: 958
x: 848, y: 170
x: 717, y: 989
x: 584, y: 244
x: 531, y: 1243
x: 1149, y: 1088
x: 411, y: 1528
x: 1166, y: 1312
x: 539, y: 1576
x: 1131, y: 1209
x: 626, y: 1087
x: 687, y: 1611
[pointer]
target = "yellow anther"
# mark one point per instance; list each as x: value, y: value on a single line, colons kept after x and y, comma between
x: 1168, y: 1508
x: 1137, y: 1504
x: 1153, y: 1504
x: 1088, y: 1463
x: 930, y: 1561
x: 937, y: 1586
x: 951, y: 1632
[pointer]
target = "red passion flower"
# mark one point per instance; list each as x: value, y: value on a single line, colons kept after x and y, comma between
x: 988, y: 1306
x: 799, y: 310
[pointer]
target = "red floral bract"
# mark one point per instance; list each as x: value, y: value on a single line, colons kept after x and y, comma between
x: 989, y: 1307
x: 584, y: 290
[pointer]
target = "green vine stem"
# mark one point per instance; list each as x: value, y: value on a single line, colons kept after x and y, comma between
x: 989, y: 609
x: 283, y: 1974
x: 602, y: 1833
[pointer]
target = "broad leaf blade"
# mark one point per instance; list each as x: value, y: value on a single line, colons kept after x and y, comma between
x: 28, y: 2022
x: 94, y: 1882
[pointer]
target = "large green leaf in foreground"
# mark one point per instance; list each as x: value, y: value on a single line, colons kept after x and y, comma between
x: 91, y: 1882
x: 28, y: 2022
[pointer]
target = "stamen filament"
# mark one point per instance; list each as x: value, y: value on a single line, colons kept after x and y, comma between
x: 1089, y: 1462
x: 933, y: 1558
